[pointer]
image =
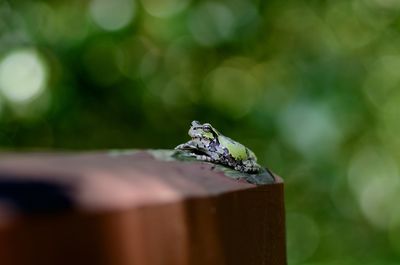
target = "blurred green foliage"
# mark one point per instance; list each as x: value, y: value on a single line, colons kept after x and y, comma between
x: 313, y: 87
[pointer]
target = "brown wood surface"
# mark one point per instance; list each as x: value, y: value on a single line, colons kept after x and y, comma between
x: 130, y: 208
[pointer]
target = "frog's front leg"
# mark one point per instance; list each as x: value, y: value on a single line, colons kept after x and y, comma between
x: 200, y: 157
x: 186, y: 146
x: 190, y: 148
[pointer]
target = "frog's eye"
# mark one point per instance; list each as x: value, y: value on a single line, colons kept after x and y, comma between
x: 207, y: 127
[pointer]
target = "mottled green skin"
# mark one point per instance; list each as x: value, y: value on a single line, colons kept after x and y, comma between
x: 208, y: 144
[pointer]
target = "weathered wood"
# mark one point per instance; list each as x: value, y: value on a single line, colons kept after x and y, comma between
x: 130, y: 208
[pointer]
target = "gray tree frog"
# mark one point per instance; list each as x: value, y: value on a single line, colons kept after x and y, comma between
x: 207, y: 144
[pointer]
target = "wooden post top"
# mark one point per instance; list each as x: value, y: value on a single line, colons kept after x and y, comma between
x: 136, y: 208
x: 117, y: 180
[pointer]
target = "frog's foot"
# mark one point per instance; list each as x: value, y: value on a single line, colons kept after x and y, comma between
x: 249, y: 169
x: 241, y: 168
x: 203, y: 158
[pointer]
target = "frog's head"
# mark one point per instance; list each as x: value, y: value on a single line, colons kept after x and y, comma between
x: 204, y: 131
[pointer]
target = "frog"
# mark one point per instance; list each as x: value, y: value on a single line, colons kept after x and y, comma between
x: 208, y: 144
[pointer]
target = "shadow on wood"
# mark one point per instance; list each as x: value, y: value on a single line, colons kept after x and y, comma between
x: 132, y: 208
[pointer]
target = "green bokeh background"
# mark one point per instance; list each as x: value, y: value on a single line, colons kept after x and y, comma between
x: 313, y: 87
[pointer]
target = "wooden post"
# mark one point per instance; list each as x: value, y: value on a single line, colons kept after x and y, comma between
x: 128, y: 208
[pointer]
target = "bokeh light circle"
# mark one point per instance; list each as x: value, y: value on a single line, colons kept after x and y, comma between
x: 211, y: 23
x: 302, y: 237
x: 376, y: 201
x: 112, y: 15
x: 232, y: 90
x: 374, y: 180
x: 310, y: 128
x: 23, y: 76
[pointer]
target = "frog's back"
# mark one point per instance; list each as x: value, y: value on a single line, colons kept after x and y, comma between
x: 235, y: 149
